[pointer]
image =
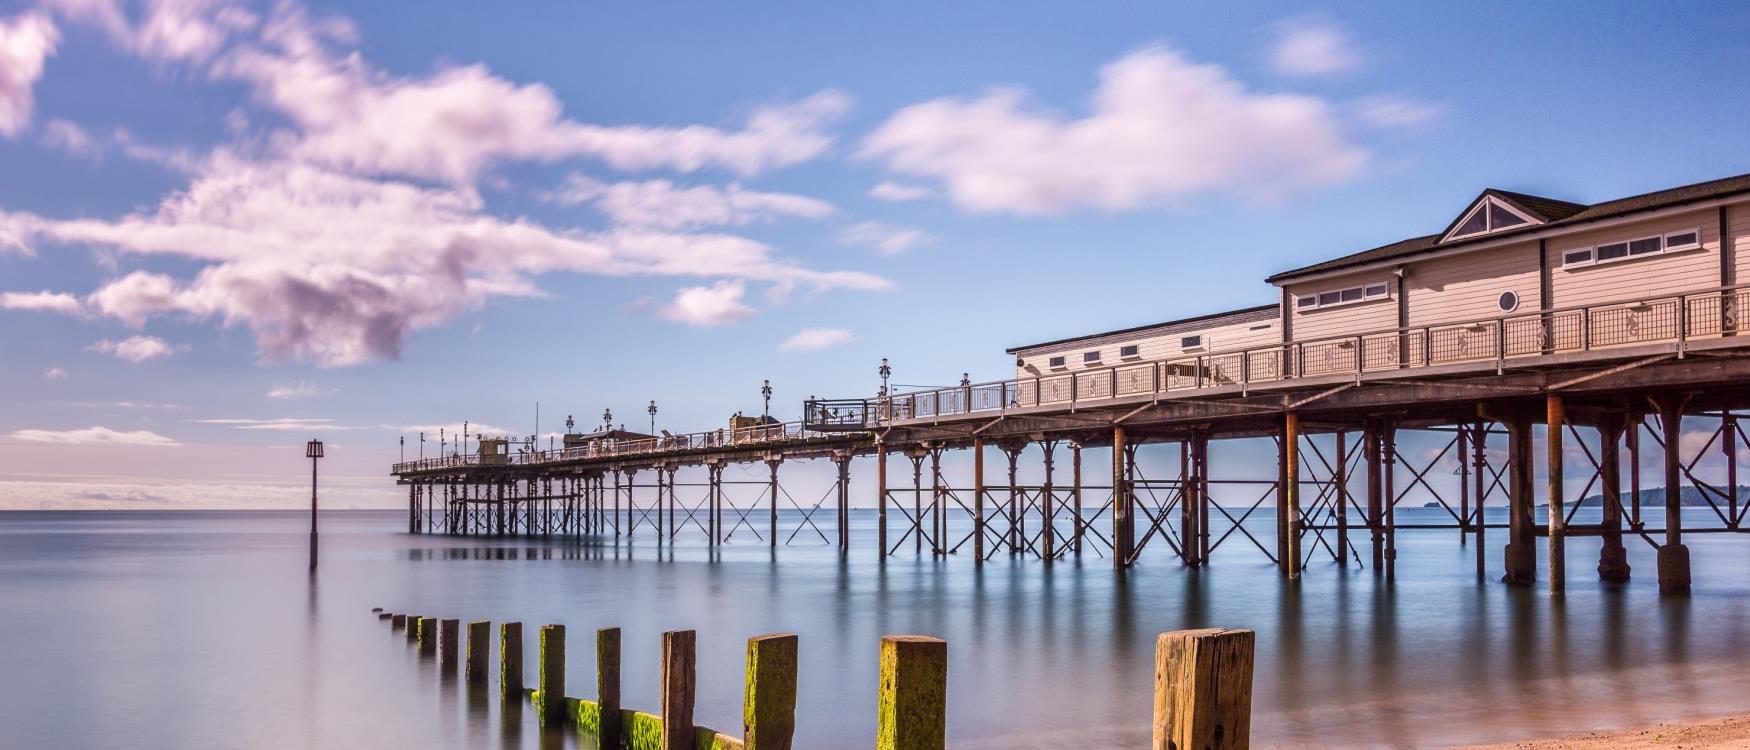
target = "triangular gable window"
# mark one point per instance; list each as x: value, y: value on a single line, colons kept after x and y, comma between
x: 1487, y: 216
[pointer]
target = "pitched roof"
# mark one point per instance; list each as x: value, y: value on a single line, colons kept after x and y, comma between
x: 1244, y: 315
x: 1555, y: 213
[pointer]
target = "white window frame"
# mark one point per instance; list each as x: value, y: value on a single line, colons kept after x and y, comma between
x: 1058, y: 362
x: 1091, y: 359
x: 1665, y: 248
x: 1193, y: 341
x: 1488, y: 222
x: 1134, y: 351
x: 1365, y: 297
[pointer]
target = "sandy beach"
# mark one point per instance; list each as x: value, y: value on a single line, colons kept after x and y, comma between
x: 1705, y: 734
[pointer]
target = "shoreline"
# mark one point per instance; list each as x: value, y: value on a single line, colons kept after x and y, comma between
x: 1715, y: 733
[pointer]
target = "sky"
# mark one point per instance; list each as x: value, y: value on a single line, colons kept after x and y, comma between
x: 229, y: 227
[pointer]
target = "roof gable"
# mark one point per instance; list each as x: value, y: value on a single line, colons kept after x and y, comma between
x: 1495, y: 211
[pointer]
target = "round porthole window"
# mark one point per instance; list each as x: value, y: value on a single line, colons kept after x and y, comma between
x: 1509, y: 301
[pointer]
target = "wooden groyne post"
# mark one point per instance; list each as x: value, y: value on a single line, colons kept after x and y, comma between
x: 679, y: 672
x: 427, y: 636
x: 510, y: 660
x: 607, y: 684
x: 768, y: 706
x: 552, y: 678
x: 479, y: 650
x: 449, y: 643
x: 912, y: 712
x: 1203, y: 690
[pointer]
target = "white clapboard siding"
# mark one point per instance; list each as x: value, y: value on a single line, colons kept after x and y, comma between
x: 1670, y: 273
x: 1738, y: 226
x: 1341, y: 320
x: 1153, y: 344
x: 1468, y: 286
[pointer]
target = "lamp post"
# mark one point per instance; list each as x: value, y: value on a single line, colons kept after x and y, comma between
x: 965, y: 379
x: 404, y: 447
x: 313, y: 451
x: 608, y: 419
x: 886, y: 372
x: 766, y: 390
x: 652, y: 411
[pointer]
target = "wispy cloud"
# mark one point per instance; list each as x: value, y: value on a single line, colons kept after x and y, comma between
x: 1398, y: 111
x: 1313, y: 46
x: 283, y: 424
x: 134, y: 348
x: 812, y: 339
x: 1160, y: 127
x: 888, y: 239
x: 125, y: 405
x: 95, y: 436
x: 889, y: 190
x: 44, y: 301
x: 665, y: 205
x: 54, y: 373
x: 26, y: 41
x: 300, y: 389
x: 707, y: 306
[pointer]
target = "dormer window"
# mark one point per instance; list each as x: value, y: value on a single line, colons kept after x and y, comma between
x: 1091, y: 358
x: 1487, y: 216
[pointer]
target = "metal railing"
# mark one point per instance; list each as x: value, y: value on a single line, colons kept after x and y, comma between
x: 788, y: 433
x: 1676, y: 318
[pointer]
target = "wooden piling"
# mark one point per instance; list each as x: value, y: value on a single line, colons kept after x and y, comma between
x: 398, y: 621
x: 1612, y: 557
x: 479, y: 650
x: 1555, y: 426
x: 978, y: 501
x: 1203, y: 690
x: 607, y: 685
x: 679, y: 662
x: 1121, y: 505
x: 1521, y: 553
x: 510, y: 660
x: 1673, y: 555
x: 1290, y: 498
x: 769, y: 703
x: 552, y: 676
x: 912, y: 711
x: 427, y: 636
x: 881, y: 498
x: 449, y: 642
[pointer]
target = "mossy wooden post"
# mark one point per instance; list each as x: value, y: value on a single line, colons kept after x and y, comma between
x: 449, y: 643
x: 1203, y: 690
x: 769, y: 703
x: 510, y: 660
x: 479, y: 650
x: 678, y: 668
x: 913, y: 707
x: 552, y: 675
x: 427, y: 636
x: 398, y: 622
x: 607, y: 685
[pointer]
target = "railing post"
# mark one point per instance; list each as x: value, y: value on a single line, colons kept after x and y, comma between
x: 1203, y: 690
x: 1112, y: 383
x: 1586, y: 329
x: 1683, y: 325
x: 912, y: 709
x: 769, y: 700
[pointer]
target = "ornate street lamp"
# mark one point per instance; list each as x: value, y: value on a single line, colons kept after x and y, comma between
x: 766, y: 390
x: 886, y: 372
x: 652, y: 411
x: 608, y: 419
x: 313, y: 451
x: 965, y: 379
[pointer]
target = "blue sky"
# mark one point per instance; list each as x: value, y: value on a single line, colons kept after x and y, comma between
x: 226, y: 227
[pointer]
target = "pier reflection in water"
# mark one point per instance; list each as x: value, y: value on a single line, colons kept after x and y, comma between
x: 184, y: 629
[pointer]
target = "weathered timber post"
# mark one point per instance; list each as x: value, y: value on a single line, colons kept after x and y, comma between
x: 673, y: 530
x: 1461, y: 442
x: 1200, y: 474
x: 1555, y: 423
x: 678, y: 667
x: 427, y: 636
x: 978, y: 500
x: 1203, y: 690
x: 1388, y: 438
x: 1521, y: 556
x: 1282, y: 450
x: 397, y: 622
x: 912, y: 711
x: 607, y: 685
x: 617, y: 524
x: 1342, y: 496
x: 1187, y: 506
x: 1375, y: 504
x: 1121, y: 507
x: 413, y: 508
x: 1290, y: 528
x: 510, y: 660
x: 1673, y: 555
x: 1729, y: 446
x: 881, y: 498
x: 769, y: 702
x: 1612, y: 557
x: 1075, y: 493
x: 773, y: 464
x: 449, y: 644
x: 937, y: 547
x: 551, y: 692
x: 1012, y: 535
x: 917, y: 498
x: 479, y: 650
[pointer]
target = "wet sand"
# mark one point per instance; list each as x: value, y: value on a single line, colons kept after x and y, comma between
x: 1706, y: 734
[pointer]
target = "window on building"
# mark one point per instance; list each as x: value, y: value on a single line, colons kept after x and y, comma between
x: 1501, y: 218
x: 1129, y: 351
x: 1509, y: 301
x: 1685, y: 240
x: 1688, y: 239
x: 1191, y: 342
x: 1093, y: 356
x: 1489, y: 215
x: 1349, y: 295
x: 1055, y: 362
x: 1580, y: 257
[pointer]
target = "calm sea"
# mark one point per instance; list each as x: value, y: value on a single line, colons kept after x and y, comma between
x: 186, y: 629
